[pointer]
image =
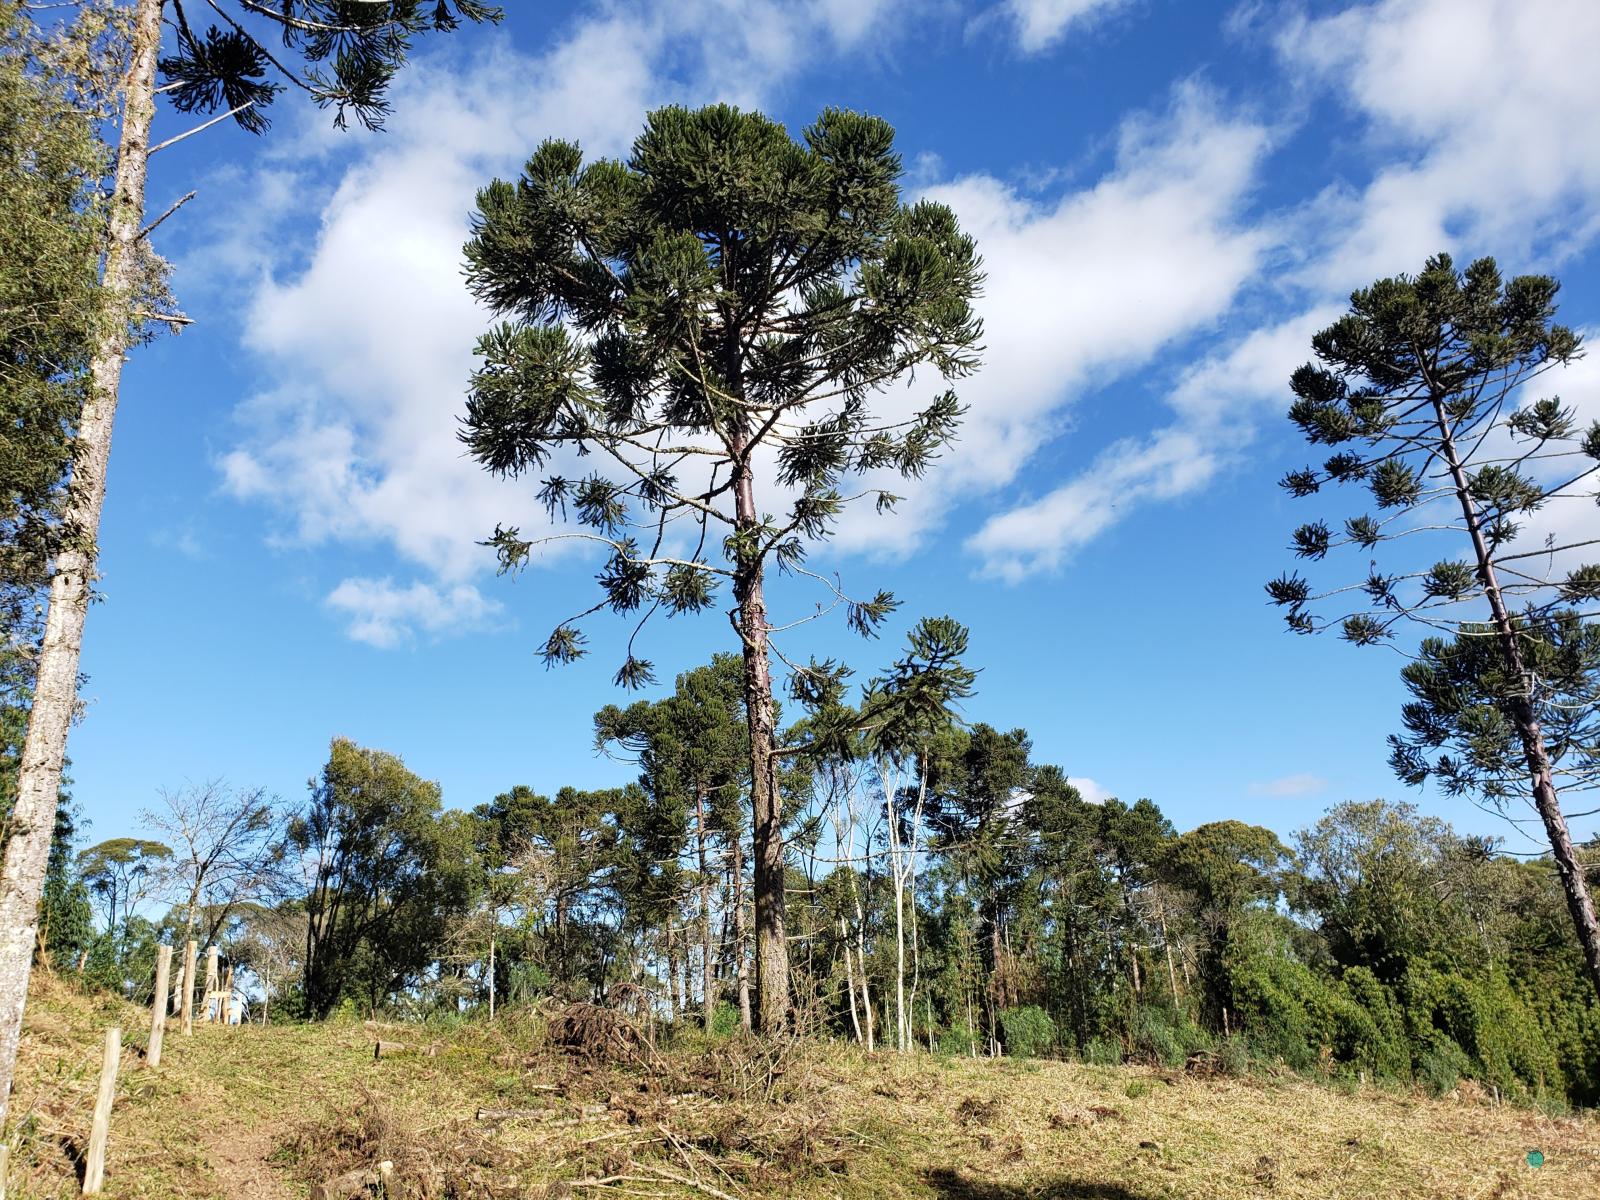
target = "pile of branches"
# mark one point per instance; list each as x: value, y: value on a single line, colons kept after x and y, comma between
x: 602, y: 1035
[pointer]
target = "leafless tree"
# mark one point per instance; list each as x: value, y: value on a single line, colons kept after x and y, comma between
x: 228, y: 850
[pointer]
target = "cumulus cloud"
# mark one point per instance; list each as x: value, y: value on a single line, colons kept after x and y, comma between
x: 1480, y: 114
x: 1481, y: 138
x: 369, y: 330
x: 1092, y: 284
x: 384, y: 614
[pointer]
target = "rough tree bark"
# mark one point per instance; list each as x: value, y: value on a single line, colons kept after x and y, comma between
x: 707, y: 987
x: 772, y: 947
x: 1541, y: 773
x: 56, y: 688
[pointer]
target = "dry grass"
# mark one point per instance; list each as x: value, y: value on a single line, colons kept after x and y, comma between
x: 269, y: 1112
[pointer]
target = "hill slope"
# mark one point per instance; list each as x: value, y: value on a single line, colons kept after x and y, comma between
x: 271, y: 1112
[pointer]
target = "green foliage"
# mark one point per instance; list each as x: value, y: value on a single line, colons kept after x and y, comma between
x: 1461, y: 724
x: 1027, y: 1032
x: 1166, y: 1038
x: 724, y: 1020
x: 52, y: 179
x: 1103, y: 1052
x: 1441, y: 1065
x: 348, y: 55
x: 387, y: 874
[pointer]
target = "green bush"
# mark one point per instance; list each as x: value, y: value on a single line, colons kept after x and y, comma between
x: 1441, y: 1066
x: 1102, y: 1052
x: 724, y: 1019
x: 1027, y: 1032
x: 1165, y: 1037
x: 1233, y: 1054
x: 957, y: 1040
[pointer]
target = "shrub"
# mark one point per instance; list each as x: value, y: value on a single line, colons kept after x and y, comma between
x: 1233, y: 1053
x: 1102, y: 1052
x: 1441, y: 1065
x: 1027, y: 1032
x: 724, y: 1019
x: 957, y: 1040
x: 1165, y: 1037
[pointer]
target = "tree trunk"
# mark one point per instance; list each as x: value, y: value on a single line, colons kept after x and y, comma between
x: 55, y: 692
x: 707, y: 990
x: 849, y: 979
x: 673, y: 999
x: 740, y: 971
x: 1545, y: 800
x: 1166, y: 944
x: 772, y: 947
x: 901, y: 1024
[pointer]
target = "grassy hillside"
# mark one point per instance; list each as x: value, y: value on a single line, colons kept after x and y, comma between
x: 270, y: 1112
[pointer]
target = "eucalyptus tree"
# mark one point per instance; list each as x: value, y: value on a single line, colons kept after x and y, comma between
x: 383, y: 877
x: 1423, y: 391
x: 55, y: 88
x: 708, y: 354
x: 909, y: 728
x: 343, y: 54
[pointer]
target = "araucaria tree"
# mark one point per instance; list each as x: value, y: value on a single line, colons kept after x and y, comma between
x: 1422, y: 390
x: 715, y: 338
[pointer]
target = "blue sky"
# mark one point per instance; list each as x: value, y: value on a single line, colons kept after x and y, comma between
x: 1170, y: 196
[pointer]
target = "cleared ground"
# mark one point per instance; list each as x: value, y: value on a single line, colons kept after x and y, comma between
x: 271, y: 1112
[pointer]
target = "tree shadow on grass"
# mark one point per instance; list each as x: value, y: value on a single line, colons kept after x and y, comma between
x: 955, y: 1186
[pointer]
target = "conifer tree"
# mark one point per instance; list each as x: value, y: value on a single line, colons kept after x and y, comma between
x: 343, y: 54
x: 707, y: 358
x: 1422, y: 390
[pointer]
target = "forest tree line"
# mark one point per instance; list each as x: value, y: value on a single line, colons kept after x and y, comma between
x: 956, y: 896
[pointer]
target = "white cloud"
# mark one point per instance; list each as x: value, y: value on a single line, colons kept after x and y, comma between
x: 1289, y: 786
x: 383, y: 614
x: 369, y: 330
x: 1481, y: 115
x: 1216, y: 402
x: 1089, y: 286
x: 1040, y: 24
x: 1482, y: 138
x: 1089, y: 789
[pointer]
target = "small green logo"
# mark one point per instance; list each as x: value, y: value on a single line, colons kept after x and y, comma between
x: 1536, y: 1158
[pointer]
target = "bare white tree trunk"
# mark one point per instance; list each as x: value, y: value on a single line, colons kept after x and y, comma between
x: 850, y: 978
x: 55, y: 691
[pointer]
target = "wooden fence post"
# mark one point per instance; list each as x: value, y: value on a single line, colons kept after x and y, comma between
x: 158, y: 1007
x: 94, y: 1171
x: 188, y: 986
x: 211, y: 982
